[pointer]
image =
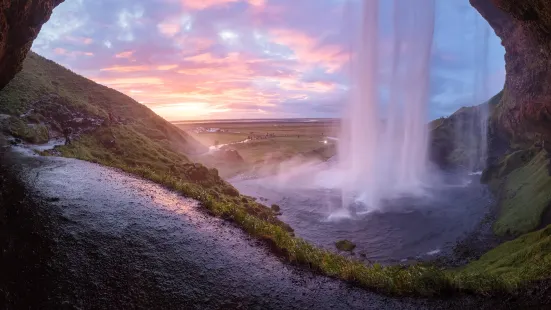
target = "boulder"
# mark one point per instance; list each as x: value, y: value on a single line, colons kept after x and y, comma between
x: 345, y: 245
x: 524, y: 27
x: 20, y: 22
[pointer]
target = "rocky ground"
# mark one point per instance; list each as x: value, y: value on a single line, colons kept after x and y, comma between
x: 79, y: 235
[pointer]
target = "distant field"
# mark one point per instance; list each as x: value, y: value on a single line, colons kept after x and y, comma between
x: 268, y: 141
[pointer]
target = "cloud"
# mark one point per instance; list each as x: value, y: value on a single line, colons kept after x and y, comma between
x: 205, y: 4
x: 249, y: 58
x: 126, y: 54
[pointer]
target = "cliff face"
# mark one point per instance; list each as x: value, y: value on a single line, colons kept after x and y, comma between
x: 20, y: 22
x: 524, y: 27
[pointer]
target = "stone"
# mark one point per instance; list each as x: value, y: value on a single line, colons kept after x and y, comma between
x: 345, y: 245
x: 276, y: 208
x: 525, y: 31
x: 20, y: 22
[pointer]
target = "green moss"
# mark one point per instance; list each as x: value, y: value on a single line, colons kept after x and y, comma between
x: 41, y: 77
x: 495, y: 174
x: 345, y: 245
x: 34, y: 133
x: 149, y: 147
x: 509, y: 266
x: 525, y: 195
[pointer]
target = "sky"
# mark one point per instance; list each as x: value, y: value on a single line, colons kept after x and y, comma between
x: 220, y: 59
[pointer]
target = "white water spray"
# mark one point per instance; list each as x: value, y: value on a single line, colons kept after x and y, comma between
x: 384, y: 156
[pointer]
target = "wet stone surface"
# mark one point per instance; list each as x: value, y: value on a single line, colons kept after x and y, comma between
x: 115, y: 241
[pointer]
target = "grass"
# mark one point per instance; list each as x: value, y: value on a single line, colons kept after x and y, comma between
x: 218, y: 198
x: 494, y: 273
x: 525, y: 195
x: 34, y: 133
x: 146, y: 145
x: 217, y: 138
x: 270, y: 143
x: 41, y: 77
x: 511, y: 265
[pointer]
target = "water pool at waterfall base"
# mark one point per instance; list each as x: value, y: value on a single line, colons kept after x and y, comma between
x: 403, y: 229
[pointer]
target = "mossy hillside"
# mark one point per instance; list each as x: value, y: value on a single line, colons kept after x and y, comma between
x: 122, y: 147
x: 525, y: 195
x: 448, y: 148
x: 424, y: 280
x: 219, y: 198
x: 511, y: 265
x: 41, y: 77
x: 142, y: 144
x: 496, y: 173
x: 34, y: 133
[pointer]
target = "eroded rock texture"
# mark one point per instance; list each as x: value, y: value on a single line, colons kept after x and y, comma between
x: 20, y: 22
x: 524, y: 27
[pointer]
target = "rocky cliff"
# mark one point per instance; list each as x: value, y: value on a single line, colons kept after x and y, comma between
x: 524, y: 27
x: 20, y: 22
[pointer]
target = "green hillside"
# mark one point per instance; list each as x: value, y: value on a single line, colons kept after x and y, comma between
x: 41, y: 79
x: 46, y: 101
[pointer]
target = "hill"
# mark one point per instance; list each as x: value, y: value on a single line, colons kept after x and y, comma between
x: 47, y: 102
x: 46, y: 89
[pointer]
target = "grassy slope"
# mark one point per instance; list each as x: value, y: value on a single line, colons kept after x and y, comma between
x: 145, y: 145
x: 141, y: 146
x: 447, y: 147
x: 526, y: 194
x: 41, y: 77
x: 516, y: 262
x: 521, y: 180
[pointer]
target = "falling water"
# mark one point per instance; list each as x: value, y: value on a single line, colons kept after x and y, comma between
x: 471, y: 128
x: 384, y: 156
x: 482, y: 89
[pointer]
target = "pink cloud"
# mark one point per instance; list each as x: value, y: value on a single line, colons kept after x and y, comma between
x: 309, y: 51
x: 125, y: 69
x: 169, y: 29
x: 60, y: 51
x: 321, y: 87
x: 203, y: 4
x: 257, y: 3
x: 65, y: 52
x: 166, y: 67
x: 130, y: 81
x: 126, y: 54
x: 80, y: 40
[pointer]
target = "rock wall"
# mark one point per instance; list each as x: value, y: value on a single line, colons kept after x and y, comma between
x: 20, y: 22
x: 524, y: 27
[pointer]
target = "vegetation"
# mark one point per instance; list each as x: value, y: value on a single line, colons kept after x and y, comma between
x: 345, y: 245
x: 220, y: 199
x: 511, y: 265
x: 523, y: 184
x: 41, y: 77
x: 34, y: 133
x: 450, y: 149
x: 142, y: 143
x: 268, y: 144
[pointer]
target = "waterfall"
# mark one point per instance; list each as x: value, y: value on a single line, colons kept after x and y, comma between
x: 471, y: 125
x: 383, y: 144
